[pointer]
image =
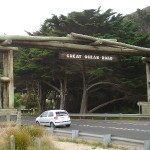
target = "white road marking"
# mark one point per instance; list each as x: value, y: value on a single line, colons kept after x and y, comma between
x: 129, y: 123
x: 115, y: 128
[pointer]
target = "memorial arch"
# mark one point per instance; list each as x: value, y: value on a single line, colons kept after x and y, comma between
x: 73, y: 42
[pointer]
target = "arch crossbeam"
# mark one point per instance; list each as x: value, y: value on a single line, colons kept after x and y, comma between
x: 74, y: 41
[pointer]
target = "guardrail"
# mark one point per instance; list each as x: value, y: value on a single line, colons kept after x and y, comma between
x: 105, y: 139
x: 106, y: 115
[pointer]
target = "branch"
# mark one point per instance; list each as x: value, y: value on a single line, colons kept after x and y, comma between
x: 98, y: 83
x: 102, y: 105
x: 52, y: 86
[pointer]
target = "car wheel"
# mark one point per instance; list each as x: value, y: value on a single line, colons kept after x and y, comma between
x: 52, y: 125
x: 37, y: 123
x: 68, y: 125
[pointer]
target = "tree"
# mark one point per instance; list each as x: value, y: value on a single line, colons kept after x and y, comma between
x: 55, y: 73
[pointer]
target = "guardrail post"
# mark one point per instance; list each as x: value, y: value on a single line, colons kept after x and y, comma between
x: 75, y: 134
x: 146, y: 144
x: 18, y: 121
x: 51, y: 130
x: 12, y: 142
x: 106, y: 140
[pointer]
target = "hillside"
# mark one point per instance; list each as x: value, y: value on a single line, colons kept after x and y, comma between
x: 142, y: 18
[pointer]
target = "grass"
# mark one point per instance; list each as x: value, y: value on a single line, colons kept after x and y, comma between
x: 35, y: 138
x: 26, y: 138
x: 94, y: 145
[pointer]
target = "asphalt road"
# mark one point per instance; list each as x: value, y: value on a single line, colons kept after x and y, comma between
x: 128, y: 129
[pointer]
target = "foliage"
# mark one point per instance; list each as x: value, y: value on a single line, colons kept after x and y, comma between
x: 17, y: 100
x: 142, y: 18
x: 22, y: 138
x: 43, y: 65
x: 35, y: 131
x: 30, y: 137
x: 29, y: 99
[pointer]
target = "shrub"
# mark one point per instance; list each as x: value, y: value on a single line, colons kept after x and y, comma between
x: 35, y: 131
x: 17, y: 100
x: 22, y: 138
x: 44, y: 143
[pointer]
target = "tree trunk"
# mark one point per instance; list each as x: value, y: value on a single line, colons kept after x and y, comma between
x: 83, y: 108
x: 62, y: 103
x: 41, y: 96
x: 0, y: 96
x: 63, y: 93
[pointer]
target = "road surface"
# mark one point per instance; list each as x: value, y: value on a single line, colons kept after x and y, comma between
x: 129, y: 129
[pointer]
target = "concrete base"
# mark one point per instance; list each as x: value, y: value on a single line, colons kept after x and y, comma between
x: 3, y: 110
x: 10, y: 116
x: 144, y: 107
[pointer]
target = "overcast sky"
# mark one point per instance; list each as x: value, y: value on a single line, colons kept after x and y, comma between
x: 16, y: 16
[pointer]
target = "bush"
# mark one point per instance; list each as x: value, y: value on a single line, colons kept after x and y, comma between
x: 22, y: 138
x: 17, y: 100
x: 28, y: 138
x: 34, y: 131
x: 43, y: 143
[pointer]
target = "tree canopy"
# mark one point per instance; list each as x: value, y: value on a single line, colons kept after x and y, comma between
x: 80, y: 85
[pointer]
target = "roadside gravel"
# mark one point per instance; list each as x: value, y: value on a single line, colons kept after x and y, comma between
x: 75, y: 146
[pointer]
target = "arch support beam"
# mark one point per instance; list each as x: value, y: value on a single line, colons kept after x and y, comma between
x: 8, y: 91
x: 148, y: 80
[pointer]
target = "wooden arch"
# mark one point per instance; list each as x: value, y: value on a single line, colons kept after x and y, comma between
x: 72, y: 42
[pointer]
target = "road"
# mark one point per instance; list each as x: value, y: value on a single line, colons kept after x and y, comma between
x: 128, y: 129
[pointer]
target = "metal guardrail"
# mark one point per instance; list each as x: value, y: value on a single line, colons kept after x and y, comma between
x: 106, y: 115
x: 106, y: 139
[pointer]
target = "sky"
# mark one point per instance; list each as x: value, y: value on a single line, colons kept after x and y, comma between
x: 18, y: 16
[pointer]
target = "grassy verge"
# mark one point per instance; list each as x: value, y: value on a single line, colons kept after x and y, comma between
x: 37, y: 138
x: 26, y: 138
x: 92, y: 144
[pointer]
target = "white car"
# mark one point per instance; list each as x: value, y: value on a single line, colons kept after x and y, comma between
x: 54, y: 118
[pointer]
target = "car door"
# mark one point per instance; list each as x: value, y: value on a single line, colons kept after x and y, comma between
x: 43, y: 118
x: 50, y: 117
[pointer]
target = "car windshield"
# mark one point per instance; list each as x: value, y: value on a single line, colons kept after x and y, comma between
x: 61, y: 113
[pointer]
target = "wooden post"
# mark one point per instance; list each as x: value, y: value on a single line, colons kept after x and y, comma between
x: 5, y: 86
x: 11, y: 77
x: 0, y: 96
x: 12, y: 142
x: 8, y: 92
x: 148, y: 80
